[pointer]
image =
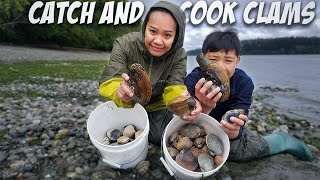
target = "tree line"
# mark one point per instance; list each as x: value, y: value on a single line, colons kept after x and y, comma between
x: 286, y: 45
x: 16, y: 28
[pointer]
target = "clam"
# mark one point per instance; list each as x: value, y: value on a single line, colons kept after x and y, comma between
x: 190, y: 130
x: 106, y: 141
x: 113, y: 134
x: 206, y: 162
x: 232, y: 113
x: 184, y: 143
x: 123, y: 140
x: 212, y: 71
x: 218, y: 159
x: 202, y: 131
x: 182, y: 105
x: 137, y: 134
x: 199, y: 142
x: 214, y: 144
x: 129, y: 131
x: 187, y: 160
x: 139, y: 84
x: 196, y: 151
x: 173, y: 137
x: 173, y: 152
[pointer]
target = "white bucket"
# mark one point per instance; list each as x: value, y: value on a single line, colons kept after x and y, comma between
x: 211, y: 126
x: 107, y: 116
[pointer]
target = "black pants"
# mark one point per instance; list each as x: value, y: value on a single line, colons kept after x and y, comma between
x: 158, y: 121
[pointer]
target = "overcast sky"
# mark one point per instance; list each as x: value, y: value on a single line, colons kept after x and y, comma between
x: 195, y: 34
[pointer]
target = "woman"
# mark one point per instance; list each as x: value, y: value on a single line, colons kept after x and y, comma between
x: 158, y: 48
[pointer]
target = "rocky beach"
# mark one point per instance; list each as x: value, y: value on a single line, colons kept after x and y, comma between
x: 43, y: 132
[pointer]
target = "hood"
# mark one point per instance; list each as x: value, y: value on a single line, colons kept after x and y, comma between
x: 179, y: 16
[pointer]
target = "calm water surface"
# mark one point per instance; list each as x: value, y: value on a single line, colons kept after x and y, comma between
x: 301, y: 72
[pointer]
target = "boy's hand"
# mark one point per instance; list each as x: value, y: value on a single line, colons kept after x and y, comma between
x: 123, y: 92
x: 195, y: 113
x: 207, y: 101
x: 232, y: 129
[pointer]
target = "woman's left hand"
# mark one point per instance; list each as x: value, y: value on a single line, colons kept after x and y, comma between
x: 232, y: 129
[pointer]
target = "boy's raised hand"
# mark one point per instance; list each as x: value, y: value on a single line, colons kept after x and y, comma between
x: 232, y: 129
x: 195, y: 113
x: 207, y: 101
x: 123, y: 92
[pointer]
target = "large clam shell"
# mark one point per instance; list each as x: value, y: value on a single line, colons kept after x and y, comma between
x: 190, y: 130
x: 187, y: 160
x: 212, y: 71
x: 182, y: 105
x: 206, y: 162
x: 214, y: 144
x: 129, y: 131
x: 140, y: 84
x: 232, y: 113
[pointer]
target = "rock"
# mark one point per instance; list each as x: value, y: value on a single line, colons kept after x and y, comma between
x: 143, y: 167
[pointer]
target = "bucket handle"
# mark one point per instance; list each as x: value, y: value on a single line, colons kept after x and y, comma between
x: 120, y: 165
x: 166, y: 166
x: 161, y: 158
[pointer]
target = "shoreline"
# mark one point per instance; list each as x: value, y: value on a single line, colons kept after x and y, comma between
x: 45, y: 137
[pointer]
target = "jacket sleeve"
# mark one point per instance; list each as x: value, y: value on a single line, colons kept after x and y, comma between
x: 175, y: 83
x: 111, y: 75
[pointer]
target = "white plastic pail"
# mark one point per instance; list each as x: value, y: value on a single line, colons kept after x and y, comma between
x: 211, y: 126
x: 107, y: 116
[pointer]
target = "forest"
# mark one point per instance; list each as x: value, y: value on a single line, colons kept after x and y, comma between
x: 15, y: 28
x: 285, y: 45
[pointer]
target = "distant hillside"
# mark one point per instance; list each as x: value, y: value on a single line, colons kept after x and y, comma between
x: 289, y: 45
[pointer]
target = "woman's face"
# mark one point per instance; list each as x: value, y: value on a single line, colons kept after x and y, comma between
x: 160, y: 33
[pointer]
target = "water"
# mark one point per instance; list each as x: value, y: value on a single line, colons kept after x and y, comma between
x: 300, y: 72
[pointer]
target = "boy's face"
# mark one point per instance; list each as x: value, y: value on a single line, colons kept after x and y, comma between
x: 227, y: 60
x: 160, y: 33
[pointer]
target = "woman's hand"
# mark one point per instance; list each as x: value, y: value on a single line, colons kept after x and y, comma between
x: 123, y: 92
x: 207, y: 101
x: 232, y: 129
x: 195, y: 113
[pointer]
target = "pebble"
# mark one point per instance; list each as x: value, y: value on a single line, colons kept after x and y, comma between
x: 45, y: 137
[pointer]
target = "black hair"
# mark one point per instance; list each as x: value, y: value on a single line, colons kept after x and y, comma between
x: 222, y: 40
x: 160, y: 9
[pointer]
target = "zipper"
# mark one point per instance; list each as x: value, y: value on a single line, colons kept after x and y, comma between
x: 150, y: 67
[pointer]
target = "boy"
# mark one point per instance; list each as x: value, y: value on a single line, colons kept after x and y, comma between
x: 223, y: 48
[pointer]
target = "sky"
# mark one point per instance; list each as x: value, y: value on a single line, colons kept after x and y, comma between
x: 195, y: 34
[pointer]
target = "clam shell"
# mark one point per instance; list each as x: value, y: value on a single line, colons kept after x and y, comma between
x: 106, y: 141
x: 212, y: 71
x: 199, y: 142
x: 173, y: 137
x: 129, y: 131
x: 173, y: 152
x: 123, y: 140
x: 214, y: 144
x: 190, y: 130
x: 184, y: 143
x: 206, y: 162
x: 232, y: 113
x: 202, y: 131
x: 137, y: 134
x: 113, y: 134
x: 187, y: 160
x: 182, y: 105
x: 139, y: 84
x: 196, y: 151
x: 218, y: 159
